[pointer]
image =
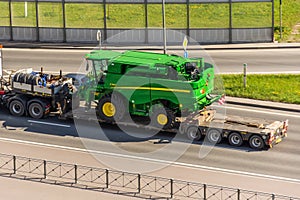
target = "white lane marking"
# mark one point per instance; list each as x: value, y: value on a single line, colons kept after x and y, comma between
x: 272, y: 72
x: 275, y: 49
x: 261, y: 111
x: 71, y: 49
x: 48, y: 123
x: 187, y: 165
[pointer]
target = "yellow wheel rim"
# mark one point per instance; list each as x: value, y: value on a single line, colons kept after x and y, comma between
x: 108, y: 109
x: 162, y: 119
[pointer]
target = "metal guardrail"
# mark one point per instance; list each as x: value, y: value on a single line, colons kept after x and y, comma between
x: 97, y: 178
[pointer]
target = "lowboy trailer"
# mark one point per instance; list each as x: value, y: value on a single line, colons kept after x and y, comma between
x: 37, y: 94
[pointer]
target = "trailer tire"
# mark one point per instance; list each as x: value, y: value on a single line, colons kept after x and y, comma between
x: 193, y: 133
x: 214, y: 136
x: 36, y: 110
x: 16, y: 108
x: 235, y: 139
x: 256, y: 142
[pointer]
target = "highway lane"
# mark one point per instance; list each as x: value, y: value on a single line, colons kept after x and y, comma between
x: 281, y: 161
x: 227, y: 61
x: 191, y: 173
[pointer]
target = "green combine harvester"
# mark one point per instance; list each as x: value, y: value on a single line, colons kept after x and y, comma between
x: 160, y: 86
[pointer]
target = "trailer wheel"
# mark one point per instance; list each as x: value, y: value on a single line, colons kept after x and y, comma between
x: 109, y: 110
x: 214, y: 136
x: 36, y: 110
x: 235, y: 139
x: 16, y: 108
x: 162, y: 118
x: 193, y: 133
x: 256, y: 142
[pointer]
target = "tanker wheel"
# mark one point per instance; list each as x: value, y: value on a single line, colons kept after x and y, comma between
x: 110, y: 110
x: 163, y: 118
x: 214, y: 136
x: 16, y: 108
x: 36, y: 110
x: 193, y: 133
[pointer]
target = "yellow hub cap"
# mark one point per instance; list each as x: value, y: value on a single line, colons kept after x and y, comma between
x: 108, y: 109
x: 162, y: 119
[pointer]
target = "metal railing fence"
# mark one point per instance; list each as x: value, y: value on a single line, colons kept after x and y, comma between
x: 62, y: 27
x: 134, y: 183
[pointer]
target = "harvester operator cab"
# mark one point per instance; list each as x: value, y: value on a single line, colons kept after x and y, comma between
x: 98, y: 69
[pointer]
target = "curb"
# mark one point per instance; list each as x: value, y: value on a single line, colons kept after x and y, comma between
x: 263, y: 104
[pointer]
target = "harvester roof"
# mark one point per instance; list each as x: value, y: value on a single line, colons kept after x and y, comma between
x: 102, y: 54
x: 148, y: 58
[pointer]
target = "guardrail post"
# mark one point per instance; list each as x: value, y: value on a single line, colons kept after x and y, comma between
x: 238, y: 194
x: 107, y: 180
x: 10, y: 20
x: 245, y: 74
x: 139, y: 183
x: 204, y: 192
x: 37, y: 20
x: 15, y: 164
x: 75, y: 169
x: 171, y: 188
x: 45, y: 169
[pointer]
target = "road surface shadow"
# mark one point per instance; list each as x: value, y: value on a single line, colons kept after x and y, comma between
x: 91, y: 129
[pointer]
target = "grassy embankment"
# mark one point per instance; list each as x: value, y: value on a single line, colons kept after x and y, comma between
x: 132, y: 16
x: 290, y: 17
x: 278, y: 88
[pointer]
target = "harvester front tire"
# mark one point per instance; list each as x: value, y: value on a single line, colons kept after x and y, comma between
x: 110, y: 110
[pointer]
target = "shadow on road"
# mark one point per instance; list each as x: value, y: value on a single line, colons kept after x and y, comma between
x: 99, y: 131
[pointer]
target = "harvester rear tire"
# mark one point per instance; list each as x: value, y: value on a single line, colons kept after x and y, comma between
x: 163, y: 118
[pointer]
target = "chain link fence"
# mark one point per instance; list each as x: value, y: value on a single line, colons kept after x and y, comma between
x: 137, y: 22
x: 129, y: 183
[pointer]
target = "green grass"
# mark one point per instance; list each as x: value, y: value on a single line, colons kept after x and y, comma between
x: 79, y: 15
x: 133, y: 15
x: 278, y: 88
x: 84, y: 15
x: 4, y: 14
x: 291, y: 16
x: 50, y: 15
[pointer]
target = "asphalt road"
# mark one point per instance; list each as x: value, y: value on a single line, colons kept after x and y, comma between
x: 277, y: 169
x: 227, y: 61
x: 136, y: 151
